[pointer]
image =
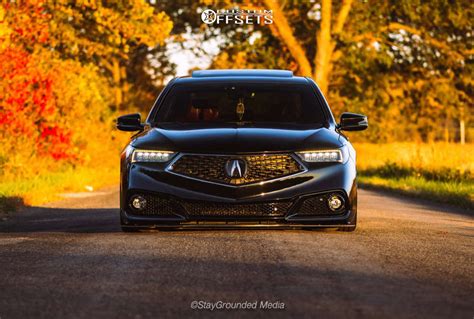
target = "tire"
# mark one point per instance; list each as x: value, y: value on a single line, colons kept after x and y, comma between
x: 352, y: 226
x: 347, y: 229
x: 128, y: 229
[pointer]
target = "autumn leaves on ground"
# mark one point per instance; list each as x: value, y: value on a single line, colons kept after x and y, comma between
x: 67, y: 70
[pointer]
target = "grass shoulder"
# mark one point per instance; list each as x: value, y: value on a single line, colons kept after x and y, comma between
x: 48, y: 186
x: 458, y: 193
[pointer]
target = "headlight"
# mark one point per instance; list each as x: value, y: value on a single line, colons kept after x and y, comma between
x: 151, y: 156
x: 326, y: 156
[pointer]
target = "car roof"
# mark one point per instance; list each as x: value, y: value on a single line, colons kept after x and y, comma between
x: 242, y: 75
x: 242, y: 72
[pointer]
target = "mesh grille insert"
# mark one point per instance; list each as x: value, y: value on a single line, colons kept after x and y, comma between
x: 163, y: 206
x: 259, y: 167
x: 317, y: 206
x: 157, y: 206
x: 195, y: 209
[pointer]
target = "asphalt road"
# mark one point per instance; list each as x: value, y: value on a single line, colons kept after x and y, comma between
x: 408, y: 259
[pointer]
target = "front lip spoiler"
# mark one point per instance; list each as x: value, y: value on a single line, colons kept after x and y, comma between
x: 230, y: 225
x: 285, y: 222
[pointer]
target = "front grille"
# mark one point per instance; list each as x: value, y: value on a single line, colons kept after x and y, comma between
x: 259, y: 167
x: 196, y: 209
x: 317, y: 206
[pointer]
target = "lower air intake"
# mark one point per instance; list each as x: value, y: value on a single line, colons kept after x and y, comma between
x: 318, y: 206
x: 278, y: 209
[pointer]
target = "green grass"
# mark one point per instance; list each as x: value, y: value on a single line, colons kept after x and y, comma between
x: 459, y: 192
x: 442, y: 172
x: 47, y: 186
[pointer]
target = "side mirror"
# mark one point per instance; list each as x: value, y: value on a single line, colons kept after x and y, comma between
x: 130, y: 122
x: 353, y: 122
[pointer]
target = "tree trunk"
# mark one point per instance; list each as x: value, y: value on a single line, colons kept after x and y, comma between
x: 323, y: 55
x: 462, y: 131
x: 285, y: 32
x: 325, y: 45
x: 446, y: 132
x: 116, y: 76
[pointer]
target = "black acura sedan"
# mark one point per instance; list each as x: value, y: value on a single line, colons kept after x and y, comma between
x: 239, y: 148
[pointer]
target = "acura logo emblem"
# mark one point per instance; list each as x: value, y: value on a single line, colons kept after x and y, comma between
x: 236, y: 168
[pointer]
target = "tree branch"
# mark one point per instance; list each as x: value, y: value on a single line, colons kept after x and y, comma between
x: 285, y: 33
x: 323, y: 40
x: 342, y: 16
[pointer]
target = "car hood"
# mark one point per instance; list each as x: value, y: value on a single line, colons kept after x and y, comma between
x: 235, y: 138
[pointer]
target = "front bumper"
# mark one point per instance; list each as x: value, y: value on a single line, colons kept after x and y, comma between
x: 185, y: 194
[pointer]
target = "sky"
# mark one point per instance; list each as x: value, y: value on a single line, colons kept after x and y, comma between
x: 186, y: 58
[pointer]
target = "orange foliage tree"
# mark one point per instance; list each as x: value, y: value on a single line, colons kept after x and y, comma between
x: 58, y: 77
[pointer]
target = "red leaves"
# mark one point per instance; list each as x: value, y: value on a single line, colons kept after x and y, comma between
x: 29, y: 22
x: 29, y: 113
x: 28, y: 106
x: 59, y: 141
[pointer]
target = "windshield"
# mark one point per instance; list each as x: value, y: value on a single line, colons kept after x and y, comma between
x: 242, y: 103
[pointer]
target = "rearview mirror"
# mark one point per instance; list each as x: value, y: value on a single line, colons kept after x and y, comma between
x: 353, y: 122
x: 130, y: 122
